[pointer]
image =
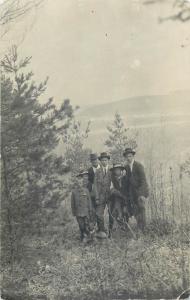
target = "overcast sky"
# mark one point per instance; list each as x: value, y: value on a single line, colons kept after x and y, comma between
x: 106, y: 50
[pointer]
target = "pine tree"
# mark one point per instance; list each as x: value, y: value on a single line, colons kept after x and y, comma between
x: 32, y: 174
x: 76, y: 154
x: 119, y: 138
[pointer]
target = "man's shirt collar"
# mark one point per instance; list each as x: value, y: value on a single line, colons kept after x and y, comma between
x: 94, y: 169
x: 106, y: 168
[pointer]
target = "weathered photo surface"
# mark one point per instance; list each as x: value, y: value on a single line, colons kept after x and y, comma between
x: 95, y: 149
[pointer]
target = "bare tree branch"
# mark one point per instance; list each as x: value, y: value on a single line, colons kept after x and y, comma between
x: 11, y: 10
x: 182, y: 7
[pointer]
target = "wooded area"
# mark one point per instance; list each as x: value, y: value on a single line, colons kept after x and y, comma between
x: 41, y: 253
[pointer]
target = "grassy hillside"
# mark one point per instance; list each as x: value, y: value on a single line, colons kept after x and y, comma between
x: 56, y: 266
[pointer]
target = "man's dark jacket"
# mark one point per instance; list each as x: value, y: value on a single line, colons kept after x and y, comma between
x: 135, y: 182
x: 118, y: 186
x: 91, y: 176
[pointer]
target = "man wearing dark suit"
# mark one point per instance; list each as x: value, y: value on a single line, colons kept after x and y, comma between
x: 92, y: 170
x: 102, y: 183
x: 136, y: 188
x: 91, y: 176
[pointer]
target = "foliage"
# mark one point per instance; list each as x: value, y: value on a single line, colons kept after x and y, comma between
x: 42, y: 256
x: 160, y: 227
x: 12, y: 11
x: 122, y: 267
x: 32, y: 175
x: 119, y: 138
x: 74, y: 139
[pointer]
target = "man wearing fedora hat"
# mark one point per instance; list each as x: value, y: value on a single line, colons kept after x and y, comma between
x: 102, y: 184
x: 91, y: 175
x: 136, y: 187
x: 92, y: 170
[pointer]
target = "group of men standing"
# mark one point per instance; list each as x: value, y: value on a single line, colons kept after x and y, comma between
x: 123, y: 189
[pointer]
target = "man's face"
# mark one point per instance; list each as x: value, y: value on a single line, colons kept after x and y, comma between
x: 117, y: 172
x: 104, y: 161
x: 94, y: 163
x: 129, y: 158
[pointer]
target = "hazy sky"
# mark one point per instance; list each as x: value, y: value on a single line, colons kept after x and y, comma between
x: 106, y: 50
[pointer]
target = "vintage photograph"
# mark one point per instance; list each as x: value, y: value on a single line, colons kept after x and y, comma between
x: 95, y: 149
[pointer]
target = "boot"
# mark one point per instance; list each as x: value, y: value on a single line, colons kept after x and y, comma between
x: 101, y: 235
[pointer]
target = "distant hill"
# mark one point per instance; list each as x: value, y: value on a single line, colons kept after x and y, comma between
x: 175, y: 104
x: 171, y: 112
x: 164, y: 118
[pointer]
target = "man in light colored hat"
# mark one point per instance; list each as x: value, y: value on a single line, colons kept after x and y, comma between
x: 117, y: 204
x: 102, y: 184
x: 136, y: 188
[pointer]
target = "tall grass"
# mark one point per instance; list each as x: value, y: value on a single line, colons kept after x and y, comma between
x: 156, y: 265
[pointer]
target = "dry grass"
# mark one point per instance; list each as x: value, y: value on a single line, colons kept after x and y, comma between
x: 54, y: 265
x: 57, y: 266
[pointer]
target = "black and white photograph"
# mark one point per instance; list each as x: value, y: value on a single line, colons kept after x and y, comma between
x: 95, y: 149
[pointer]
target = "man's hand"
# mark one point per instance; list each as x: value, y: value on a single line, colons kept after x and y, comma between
x: 97, y: 201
